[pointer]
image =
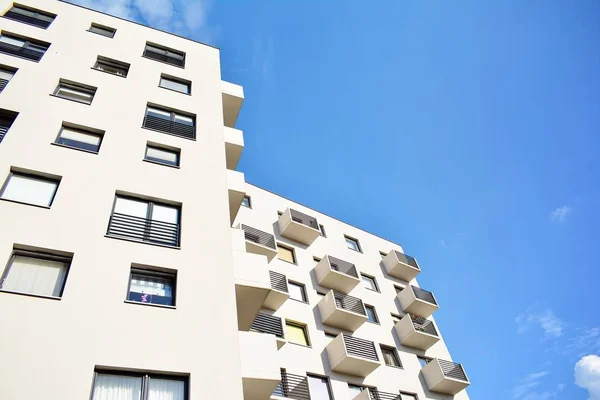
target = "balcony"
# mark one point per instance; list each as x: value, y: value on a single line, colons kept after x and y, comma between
x: 236, y: 187
x: 415, y: 300
x: 291, y: 387
x: 279, y: 291
x: 234, y: 144
x: 259, y: 242
x: 342, y: 311
x: 298, y: 226
x: 445, y: 377
x: 252, y: 286
x: 416, y: 332
x: 352, y: 356
x: 401, y: 266
x: 336, y: 274
x: 260, y: 365
x: 143, y: 229
x: 271, y: 325
x: 233, y: 96
x: 374, y: 394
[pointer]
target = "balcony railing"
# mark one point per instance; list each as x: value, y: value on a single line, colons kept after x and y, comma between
x: 406, y: 259
x: 423, y: 295
x: 304, y: 219
x: 3, y: 83
x: 168, y: 126
x: 342, y: 266
x: 164, y: 58
x: 20, y: 51
x: 453, y: 370
x: 375, y: 394
x: 259, y: 237
x: 360, y: 348
x: 278, y: 281
x: 265, y: 323
x: 349, y: 303
x: 423, y: 325
x: 292, y: 387
x: 28, y: 19
x: 143, y: 229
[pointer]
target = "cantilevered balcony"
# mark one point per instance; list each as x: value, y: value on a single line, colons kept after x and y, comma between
x: 445, y: 377
x: 252, y: 286
x: 336, y: 274
x: 374, y: 394
x: 279, y: 291
x: 232, y: 96
x: 298, y: 226
x: 259, y: 242
x: 259, y: 365
x: 352, y: 356
x: 291, y: 387
x: 236, y: 186
x: 401, y: 266
x: 342, y: 311
x: 415, y: 300
x: 234, y: 144
x: 416, y: 332
x: 269, y: 324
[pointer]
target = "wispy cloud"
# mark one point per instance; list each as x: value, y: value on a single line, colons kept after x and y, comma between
x: 547, y: 320
x: 587, y: 375
x: 561, y: 214
x: 442, y: 243
x: 527, y: 388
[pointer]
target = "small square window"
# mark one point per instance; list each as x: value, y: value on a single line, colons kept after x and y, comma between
x: 102, y: 30
x: 322, y: 229
x: 153, y: 287
x: 286, y: 254
x: 369, y: 282
x: 23, y: 47
x: 408, y: 396
x: 176, y: 84
x: 390, y: 356
x: 29, y: 189
x: 330, y: 335
x: 296, y: 333
x: 81, y: 139
x: 162, y: 155
x: 355, y: 390
x: 75, y: 92
x: 353, y: 244
x: 297, y: 291
x: 279, y: 213
x: 247, y: 202
x: 398, y: 289
x: 382, y: 254
x: 396, y: 318
x: 371, y: 314
x: 111, y: 66
x: 424, y: 360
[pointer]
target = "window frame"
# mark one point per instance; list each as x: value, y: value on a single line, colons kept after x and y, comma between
x: 414, y: 396
x: 395, y: 317
x: 382, y: 254
x: 358, y: 248
x: 112, y: 31
x: 300, y: 325
x: 319, y: 376
x: 177, y: 80
x: 167, y: 51
x: 75, y: 86
x: 394, y: 353
x: 156, y: 146
x: 302, y: 288
x: 399, y: 288
x: 146, y: 377
x: 111, y: 63
x: 9, y: 70
x: 249, y: 201
x: 372, y: 279
x: 27, y: 45
x: 145, y: 271
x: 31, y: 175
x: 36, y: 13
x: 376, y: 317
x: 291, y: 250
x: 5, y: 117
x: 87, y: 131
x: 424, y: 359
x: 173, y: 114
x: 322, y: 230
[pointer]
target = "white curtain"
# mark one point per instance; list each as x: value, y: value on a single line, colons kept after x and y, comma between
x: 175, y: 85
x: 184, y: 119
x: 116, y: 387
x: 165, y: 214
x: 160, y: 154
x: 35, y: 276
x: 79, y: 136
x: 164, y: 389
x: 30, y: 190
x: 131, y: 207
x: 150, y: 285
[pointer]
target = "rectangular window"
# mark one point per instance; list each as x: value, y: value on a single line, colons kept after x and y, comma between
x: 29, y: 189
x: 369, y: 282
x: 296, y: 333
x: 398, y: 289
x: 171, y: 122
x: 390, y: 356
x: 118, y: 385
x: 408, y: 396
x: 152, y: 287
x: 40, y: 274
x: 371, y: 314
x: 6, y: 120
x: 23, y: 47
x: 6, y: 74
x: 352, y: 244
x: 145, y: 221
x: 297, y: 291
x: 396, y: 318
x: 111, y: 66
x: 102, y: 30
x: 164, y: 54
x: 81, y: 139
x: 246, y: 202
x: 322, y: 229
x: 286, y: 254
x: 162, y: 155
x: 75, y: 91
x: 30, y: 16
x: 318, y: 387
x: 382, y: 254
x: 424, y: 360
x: 176, y: 84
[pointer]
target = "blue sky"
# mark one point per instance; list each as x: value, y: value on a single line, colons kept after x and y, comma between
x: 466, y: 131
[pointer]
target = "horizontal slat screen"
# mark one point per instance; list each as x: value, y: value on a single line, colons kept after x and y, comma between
x: 259, y: 237
x: 342, y: 266
x: 360, y: 348
x: 292, y: 387
x: 453, y: 370
x: 143, y: 229
x: 349, y: 303
x: 265, y: 323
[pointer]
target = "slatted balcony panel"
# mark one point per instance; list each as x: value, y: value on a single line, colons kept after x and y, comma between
x: 172, y: 127
x: 278, y: 281
x: 20, y: 51
x: 375, y: 394
x: 304, y: 219
x: 349, y: 303
x: 453, y: 370
x: 360, y: 348
x: 292, y: 387
x: 3, y: 130
x: 424, y: 295
x: 406, y: 259
x: 3, y: 83
x: 343, y: 266
x: 259, y: 237
x: 265, y: 323
x: 423, y: 325
x: 143, y: 229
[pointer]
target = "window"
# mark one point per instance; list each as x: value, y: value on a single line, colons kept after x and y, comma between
x: 82, y: 139
x: 330, y: 335
x: 296, y: 333
x: 29, y: 189
x: 396, y: 318
x: 36, y: 273
x: 322, y: 229
x: 164, y: 54
x: 30, y: 16
x: 382, y: 254
x: 369, y: 282
x: 102, y: 30
x: 119, y: 385
x: 286, y: 254
x: 423, y: 360
x: 352, y: 244
x: 174, y: 123
x: 319, y: 387
x: 162, y: 155
x: 246, y: 202
x: 408, y: 396
x: 146, y: 221
x: 297, y: 291
x: 176, y: 84
x: 6, y: 120
x: 75, y: 92
x: 398, y: 289
x: 390, y: 356
x: 355, y: 390
x: 6, y: 74
x: 371, y: 314
x: 111, y: 66
x: 316, y: 259
x: 152, y: 287
x: 22, y: 47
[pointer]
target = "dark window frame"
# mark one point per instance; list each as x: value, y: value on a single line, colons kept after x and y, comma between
x: 398, y: 289
x: 424, y: 359
x: 167, y: 51
x: 175, y: 151
x: 112, y: 31
x: 75, y: 86
x: 302, y: 289
x: 396, y: 316
x: 87, y: 131
x: 5, y: 82
x: 291, y: 249
x: 358, y: 246
x: 144, y: 271
x: 146, y: 376
x: 27, y: 45
x: 172, y: 119
x: 413, y: 395
x: 322, y: 230
x: 35, y: 11
x: 376, y: 317
x: 373, y: 279
x: 6, y: 116
x: 110, y: 62
x: 320, y: 376
x: 249, y: 201
x: 175, y: 79
x: 13, y: 172
x: 394, y: 353
x: 304, y: 328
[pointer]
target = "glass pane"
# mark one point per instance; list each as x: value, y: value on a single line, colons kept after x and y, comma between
x: 165, y: 213
x: 296, y: 291
x: 404, y: 396
x: 74, y: 94
x: 117, y: 387
x: 79, y: 136
x: 151, y: 289
x: 352, y: 244
x: 35, y: 276
x: 101, y: 31
x: 296, y: 334
x: 136, y: 208
x: 155, y: 112
x: 175, y: 85
x: 112, y: 68
x: 285, y: 254
x: 319, y: 388
x: 155, y: 49
x: 246, y: 201
x: 166, y: 389
x: 23, y: 11
x: 423, y: 361
x: 161, y: 155
x: 354, y: 390
x: 369, y: 282
x: 11, y: 40
x: 7, y: 75
x: 30, y: 190
x: 371, y: 314
x: 183, y: 119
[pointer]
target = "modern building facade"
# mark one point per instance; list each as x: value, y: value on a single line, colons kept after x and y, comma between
x: 139, y: 264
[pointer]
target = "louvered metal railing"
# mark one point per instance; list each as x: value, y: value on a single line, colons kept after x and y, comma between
x: 29, y: 19
x: 292, y: 387
x: 453, y: 370
x: 349, y: 303
x: 375, y: 394
x: 406, y: 259
x: 360, y: 348
x: 168, y: 126
x: 278, y: 281
x: 259, y: 237
x: 164, y: 58
x: 143, y: 229
x: 20, y: 51
x: 423, y: 325
x: 265, y: 323
x: 423, y: 295
x: 342, y: 266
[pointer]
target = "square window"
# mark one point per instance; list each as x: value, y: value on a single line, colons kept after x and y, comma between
x: 352, y: 244
x: 81, y: 139
x: 30, y: 16
x: 371, y: 314
x: 75, y: 92
x: 369, y: 282
x: 246, y: 202
x: 111, y: 66
x: 176, y: 84
x: 6, y: 74
x: 162, y: 155
x: 424, y: 360
x: 322, y: 229
x: 296, y: 333
x: 297, y: 291
x: 408, y: 396
x: 319, y: 387
x: 120, y: 385
x: 102, y: 30
x: 390, y: 356
x: 286, y: 254
x: 153, y: 287
x: 164, y: 54
x: 41, y: 274
x: 29, y: 189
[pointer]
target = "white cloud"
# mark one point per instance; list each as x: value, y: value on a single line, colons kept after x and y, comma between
x: 547, y: 320
x: 524, y: 389
x: 561, y: 214
x: 587, y: 375
x: 120, y: 8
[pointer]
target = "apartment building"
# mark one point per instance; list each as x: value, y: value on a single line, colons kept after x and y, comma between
x: 139, y: 264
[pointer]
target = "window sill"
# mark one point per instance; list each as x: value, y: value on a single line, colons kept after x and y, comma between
x: 373, y: 290
x: 74, y: 101
x: 162, y: 164
x: 27, y: 23
x: 164, y: 62
x: 73, y: 148
x: 393, y: 366
x: 39, y: 296
x: 176, y: 91
x: 300, y: 301
x: 358, y: 251
x: 27, y: 204
x: 166, y: 246
x: 287, y: 262
x: 110, y: 73
x: 301, y: 345
x: 100, y: 34
x: 150, y: 304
